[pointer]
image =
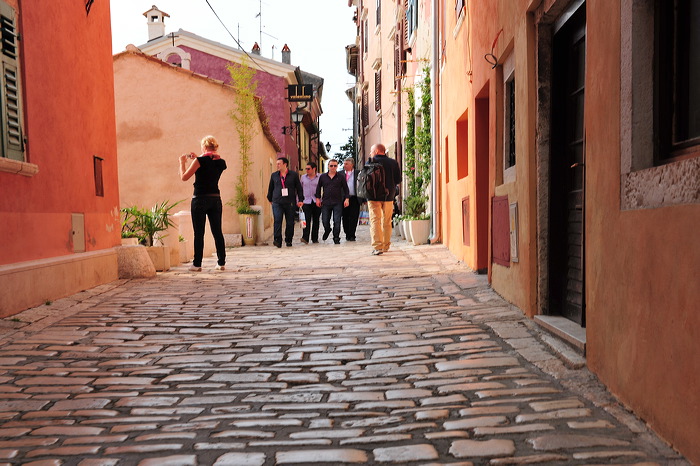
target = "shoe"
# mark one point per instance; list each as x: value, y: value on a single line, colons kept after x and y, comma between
x: 220, y: 267
x: 336, y: 241
x: 289, y: 244
x: 305, y: 241
x: 194, y: 269
x: 326, y: 234
x: 350, y: 239
x: 278, y: 244
x: 314, y: 241
x: 377, y: 252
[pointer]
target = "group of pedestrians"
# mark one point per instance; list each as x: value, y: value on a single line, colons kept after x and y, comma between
x: 326, y: 196
x: 320, y: 196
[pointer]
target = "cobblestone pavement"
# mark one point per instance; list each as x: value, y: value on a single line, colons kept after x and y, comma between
x: 315, y: 354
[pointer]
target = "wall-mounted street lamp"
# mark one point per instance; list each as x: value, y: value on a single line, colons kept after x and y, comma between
x: 328, y: 148
x: 297, y: 117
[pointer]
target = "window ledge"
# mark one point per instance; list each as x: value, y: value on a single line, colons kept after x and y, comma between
x: 17, y: 167
x: 671, y: 184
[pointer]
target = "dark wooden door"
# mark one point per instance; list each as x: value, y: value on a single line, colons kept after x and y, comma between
x: 568, y: 169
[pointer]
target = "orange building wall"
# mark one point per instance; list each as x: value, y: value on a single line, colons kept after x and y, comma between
x: 465, y: 76
x: 643, y: 327
x: 162, y: 112
x: 69, y: 117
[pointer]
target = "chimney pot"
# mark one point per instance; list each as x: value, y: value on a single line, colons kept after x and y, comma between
x: 286, y: 55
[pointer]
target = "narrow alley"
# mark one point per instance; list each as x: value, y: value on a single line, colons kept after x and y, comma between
x: 315, y: 354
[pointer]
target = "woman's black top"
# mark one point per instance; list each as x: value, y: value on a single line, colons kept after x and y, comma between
x: 206, y: 178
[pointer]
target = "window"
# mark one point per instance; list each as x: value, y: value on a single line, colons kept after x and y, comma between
x: 677, y: 72
x: 378, y: 91
x: 411, y: 17
x: 508, y: 114
x: 509, y: 124
x: 365, y: 109
x: 660, y: 103
x: 365, y: 39
x: 10, y: 96
x: 99, y: 183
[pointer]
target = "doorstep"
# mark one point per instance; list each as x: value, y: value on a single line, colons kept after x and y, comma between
x: 568, y: 331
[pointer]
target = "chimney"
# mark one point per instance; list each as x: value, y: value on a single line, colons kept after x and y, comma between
x: 156, y: 22
x: 256, y: 49
x: 286, y: 55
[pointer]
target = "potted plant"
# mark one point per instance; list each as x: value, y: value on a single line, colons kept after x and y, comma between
x: 418, y: 220
x: 147, y: 225
x: 245, y: 115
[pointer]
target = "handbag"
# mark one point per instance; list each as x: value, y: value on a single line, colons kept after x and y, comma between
x: 302, y: 218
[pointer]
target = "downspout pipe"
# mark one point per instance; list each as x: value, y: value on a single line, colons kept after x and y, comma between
x: 435, y: 125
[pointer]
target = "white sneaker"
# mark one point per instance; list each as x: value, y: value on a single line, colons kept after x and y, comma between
x: 377, y: 252
x: 220, y: 267
x: 194, y: 269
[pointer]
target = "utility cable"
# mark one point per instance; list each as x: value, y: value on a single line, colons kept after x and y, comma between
x: 235, y: 40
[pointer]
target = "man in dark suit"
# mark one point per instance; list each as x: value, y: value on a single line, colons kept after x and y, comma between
x: 351, y: 213
x: 286, y: 194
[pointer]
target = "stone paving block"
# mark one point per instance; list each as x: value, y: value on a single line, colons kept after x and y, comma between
x: 405, y: 454
x: 479, y: 448
x: 174, y: 460
x: 333, y: 456
x: 241, y: 459
x: 561, y: 441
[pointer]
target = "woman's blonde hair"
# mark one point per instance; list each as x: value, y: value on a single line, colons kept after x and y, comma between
x: 209, y: 142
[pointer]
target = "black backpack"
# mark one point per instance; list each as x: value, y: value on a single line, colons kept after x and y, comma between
x: 371, y: 182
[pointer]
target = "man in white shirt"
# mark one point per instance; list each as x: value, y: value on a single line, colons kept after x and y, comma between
x: 351, y: 213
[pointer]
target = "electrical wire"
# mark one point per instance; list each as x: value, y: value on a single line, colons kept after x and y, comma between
x: 235, y: 40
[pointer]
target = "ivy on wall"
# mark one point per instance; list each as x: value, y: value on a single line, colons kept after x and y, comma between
x: 418, y: 147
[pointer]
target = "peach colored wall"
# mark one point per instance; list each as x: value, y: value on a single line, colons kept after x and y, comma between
x: 481, y: 26
x: 68, y: 114
x: 164, y: 111
x: 643, y: 327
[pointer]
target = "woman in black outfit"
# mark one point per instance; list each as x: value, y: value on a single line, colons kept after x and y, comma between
x: 206, y: 201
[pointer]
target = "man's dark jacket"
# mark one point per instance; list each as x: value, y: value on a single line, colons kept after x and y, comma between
x: 291, y: 182
x: 392, y: 175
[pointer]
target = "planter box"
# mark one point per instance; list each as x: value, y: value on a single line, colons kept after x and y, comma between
x: 420, y: 231
x: 160, y: 256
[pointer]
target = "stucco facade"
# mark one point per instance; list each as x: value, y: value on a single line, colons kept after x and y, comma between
x: 637, y: 296
x: 51, y: 206
x: 551, y: 178
x: 164, y: 111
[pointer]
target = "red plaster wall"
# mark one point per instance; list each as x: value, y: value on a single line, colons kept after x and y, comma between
x: 272, y: 90
x: 66, y: 66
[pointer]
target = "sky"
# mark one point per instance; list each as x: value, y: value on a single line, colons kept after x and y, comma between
x: 316, y: 31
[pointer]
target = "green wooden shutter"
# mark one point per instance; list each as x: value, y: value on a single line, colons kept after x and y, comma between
x: 10, y: 96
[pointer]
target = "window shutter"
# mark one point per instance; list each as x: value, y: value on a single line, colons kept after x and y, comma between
x: 10, y: 96
x: 378, y: 91
x: 365, y: 109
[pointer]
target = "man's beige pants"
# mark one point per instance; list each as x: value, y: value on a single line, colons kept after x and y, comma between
x: 380, y: 213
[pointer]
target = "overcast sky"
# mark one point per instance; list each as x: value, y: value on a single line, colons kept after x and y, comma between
x: 316, y: 31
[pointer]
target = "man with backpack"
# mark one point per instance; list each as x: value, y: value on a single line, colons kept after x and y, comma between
x: 381, y: 202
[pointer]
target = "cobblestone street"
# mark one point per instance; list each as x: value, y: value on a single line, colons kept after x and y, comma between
x: 315, y: 354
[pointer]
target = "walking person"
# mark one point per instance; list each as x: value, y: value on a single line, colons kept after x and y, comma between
x: 381, y: 210
x: 312, y: 212
x: 286, y: 194
x: 331, y: 196
x: 206, y: 200
x: 351, y: 213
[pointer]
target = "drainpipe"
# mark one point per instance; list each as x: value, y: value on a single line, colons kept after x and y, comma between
x: 435, y: 124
